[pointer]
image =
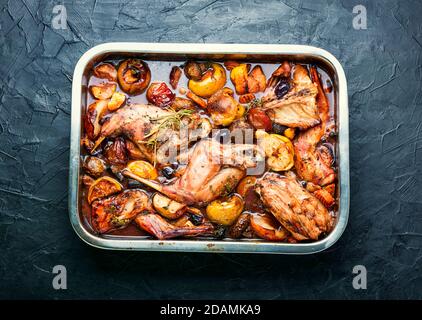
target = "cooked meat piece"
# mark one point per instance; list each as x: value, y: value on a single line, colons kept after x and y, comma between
x: 134, y: 121
x: 212, y: 169
x: 118, y: 211
x: 295, y: 208
x: 161, y: 229
x: 313, y: 161
x: 298, y: 107
x: 142, y: 123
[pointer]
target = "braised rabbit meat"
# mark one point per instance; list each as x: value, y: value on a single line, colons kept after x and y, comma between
x: 213, y: 150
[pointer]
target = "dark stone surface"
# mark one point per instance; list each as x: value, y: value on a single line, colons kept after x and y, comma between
x: 383, y: 67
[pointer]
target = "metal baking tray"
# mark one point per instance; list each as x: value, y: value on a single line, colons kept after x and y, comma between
x: 179, y: 51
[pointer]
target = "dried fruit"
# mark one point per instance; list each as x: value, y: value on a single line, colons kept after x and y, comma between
x: 193, y: 70
x: 160, y: 94
x: 259, y: 119
x: 282, y: 88
x: 278, y: 128
x: 175, y: 75
x: 106, y: 71
x: 115, y: 152
x: 94, y: 166
x: 183, y: 103
x: 239, y: 226
x: 283, y: 70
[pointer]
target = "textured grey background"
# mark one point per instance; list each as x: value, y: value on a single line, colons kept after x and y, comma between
x: 383, y: 67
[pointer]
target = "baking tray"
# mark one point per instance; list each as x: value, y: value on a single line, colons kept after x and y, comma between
x: 179, y: 51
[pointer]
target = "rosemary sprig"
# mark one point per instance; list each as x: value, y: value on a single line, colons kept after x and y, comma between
x: 172, y: 120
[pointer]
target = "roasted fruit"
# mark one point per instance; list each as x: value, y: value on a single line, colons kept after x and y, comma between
x: 256, y: 81
x: 241, y: 224
x: 175, y: 75
x: 115, y: 152
x: 268, y: 228
x: 283, y: 71
x: 239, y: 77
x: 94, y: 113
x: 278, y: 149
x: 103, y: 187
x: 231, y: 64
x: 103, y: 91
x: 223, y: 107
x: 183, y: 103
x: 167, y: 207
x: 245, y: 184
x: 259, y: 119
x: 193, y: 70
x: 290, y: 133
x: 143, y: 169
x: 117, y: 100
x: 134, y: 76
x: 106, y: 71
x: 246, y: 82
x: 160, y: 94
x: 225, y: 211
x: 94, y: 166
x: 210, y: 82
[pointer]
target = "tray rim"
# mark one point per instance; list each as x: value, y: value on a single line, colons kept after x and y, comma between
x: 216, y: 246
